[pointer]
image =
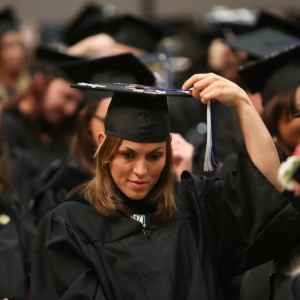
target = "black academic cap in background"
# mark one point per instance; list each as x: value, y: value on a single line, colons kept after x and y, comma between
x: 125, y: 68
x: 49, y: 59
x: 86, y: 70
x: 136, y: 113
x: 86, y: 23
x: 273, y: 73
x: 272, y: 21
x: 8, y: 21
x: 262, y: 42
x: 270, y: 34
x: 137, y: 32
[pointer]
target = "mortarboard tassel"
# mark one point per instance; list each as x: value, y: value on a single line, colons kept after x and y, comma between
x: 210, y: 162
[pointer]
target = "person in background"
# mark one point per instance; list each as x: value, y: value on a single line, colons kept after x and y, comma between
x: 16, y: 235
x: 120, y: 68
x: 39, y: 125
x: 277, y: 78
x: 42, y: 122
x: 14, y: 73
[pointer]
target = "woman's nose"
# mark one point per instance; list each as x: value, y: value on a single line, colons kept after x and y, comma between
x: 140, y: 167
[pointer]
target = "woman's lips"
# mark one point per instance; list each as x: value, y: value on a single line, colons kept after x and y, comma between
x: 138, y: 184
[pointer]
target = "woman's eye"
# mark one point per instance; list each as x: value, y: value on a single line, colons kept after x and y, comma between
x: 155, y: 156
x: 127, y: 155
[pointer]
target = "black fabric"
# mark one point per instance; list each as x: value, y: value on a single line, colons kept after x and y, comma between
x: 86, y: 70
x: 56, y: 189
x: 77, y: 29
x: 221, y: 229
x: 138, y: 118
x: 16, y: 238
x: 8, y: 21
x: 290, y: 290
x: 266, y: 41
x: 272, y: 74
x: 139, y: 33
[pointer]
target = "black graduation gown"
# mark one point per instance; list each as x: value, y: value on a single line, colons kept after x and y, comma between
x: 16, y: 237
x: 19, y: 136
x: 221, y: 229
x: 290, y: 290
x: 56, y: 189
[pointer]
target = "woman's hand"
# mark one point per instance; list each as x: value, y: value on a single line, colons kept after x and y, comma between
x: 206, y: 87
x: 259, y: 143
x: 182, y: 154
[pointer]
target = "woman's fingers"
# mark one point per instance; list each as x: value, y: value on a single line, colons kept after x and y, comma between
x: 192, y: 80
x: 210, y: 86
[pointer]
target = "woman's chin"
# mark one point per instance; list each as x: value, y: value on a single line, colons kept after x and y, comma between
x: 134, y: 196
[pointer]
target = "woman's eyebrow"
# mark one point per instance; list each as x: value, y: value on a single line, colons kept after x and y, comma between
x: 128, y: 148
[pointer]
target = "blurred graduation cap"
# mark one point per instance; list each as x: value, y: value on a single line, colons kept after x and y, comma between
x: 8, y: 21
x: 82, y: 24
x: 137, y: 32
x: 262, y: 42
x: 270, y: 34
x: 269, y: 20
x: 51, y: 58
x: 125, y: 68
x: 273, y: 73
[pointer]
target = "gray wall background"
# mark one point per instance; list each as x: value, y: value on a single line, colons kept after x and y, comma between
x: 63, y: 10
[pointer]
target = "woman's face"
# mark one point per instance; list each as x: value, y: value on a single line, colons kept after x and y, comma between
x: 60, y: 101
x: 12, y: 52
x: 136, y: 167
x: 97, y: 121
x: 289, y: 129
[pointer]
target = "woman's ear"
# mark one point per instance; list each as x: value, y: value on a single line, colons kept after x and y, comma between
x: 100, y: 138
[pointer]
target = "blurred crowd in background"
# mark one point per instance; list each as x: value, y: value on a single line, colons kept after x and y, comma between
x: 49, y: 130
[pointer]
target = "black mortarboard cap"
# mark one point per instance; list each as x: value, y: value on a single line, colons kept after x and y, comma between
x: 86, y: 70
x: 262, y: 42
x: 137, y: 113
x: 266, y: 19
x: 80, y: 27
x: 136, y: 32
x: 51, y: 58
x: 273, y: 73
x: 7, y: 21
x: 125, y: 68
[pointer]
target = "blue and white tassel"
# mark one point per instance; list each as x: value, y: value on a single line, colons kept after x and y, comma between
x: 210, y: 162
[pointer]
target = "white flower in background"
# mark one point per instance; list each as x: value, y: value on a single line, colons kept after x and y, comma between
x: 286, y: 171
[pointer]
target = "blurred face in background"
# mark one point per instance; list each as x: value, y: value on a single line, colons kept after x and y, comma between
x: 97, y: 121
x: 289, y: 128
x: 60, y: 102
x: 12, y: 53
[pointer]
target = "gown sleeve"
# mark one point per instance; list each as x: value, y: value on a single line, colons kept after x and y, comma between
x: 290, y: 290
x: 61, y: 268
x: 245, y: 220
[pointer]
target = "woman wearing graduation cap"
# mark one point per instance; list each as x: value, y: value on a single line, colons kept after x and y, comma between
x: 127, y: 234
x: 119, y: 68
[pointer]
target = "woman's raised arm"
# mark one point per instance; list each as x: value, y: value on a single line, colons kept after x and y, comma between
x: 259, y: 143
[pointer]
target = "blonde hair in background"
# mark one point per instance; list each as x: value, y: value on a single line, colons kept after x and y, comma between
x: 23, y: 82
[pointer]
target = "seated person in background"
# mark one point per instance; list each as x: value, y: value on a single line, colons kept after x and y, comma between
x: 14, y: 74
x: 16, y: 237
x: 42, y: 122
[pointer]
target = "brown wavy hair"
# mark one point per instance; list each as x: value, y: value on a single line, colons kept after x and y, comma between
x: 102, y: 194
x: 282, y: 104
x: 83, y: 146
x: 33, y: 98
